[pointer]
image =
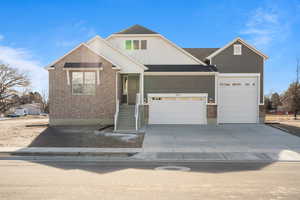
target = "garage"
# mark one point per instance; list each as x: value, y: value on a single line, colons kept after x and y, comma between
x: 238, y: 99
x: 177, y: 108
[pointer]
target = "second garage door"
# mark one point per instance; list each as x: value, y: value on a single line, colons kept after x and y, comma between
x: 238, y: 100
x: 177, y: 108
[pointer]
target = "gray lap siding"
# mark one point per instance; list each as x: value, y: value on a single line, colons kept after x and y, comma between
x: 248, y: 62
x: 180, y: 84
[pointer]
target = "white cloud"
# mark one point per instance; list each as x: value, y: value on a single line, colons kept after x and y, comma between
x: 264, y: 26
x: 22, y: 60
x: 73, y: 34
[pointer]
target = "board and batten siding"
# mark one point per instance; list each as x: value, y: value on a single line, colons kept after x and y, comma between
x: 158, y: 51
x: 248, y: 62
x: 180, y: 84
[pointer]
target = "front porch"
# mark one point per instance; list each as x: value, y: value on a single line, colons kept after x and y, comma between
x: 130, y: 90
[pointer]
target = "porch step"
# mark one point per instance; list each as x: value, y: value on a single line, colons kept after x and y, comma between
x: 126, y: 118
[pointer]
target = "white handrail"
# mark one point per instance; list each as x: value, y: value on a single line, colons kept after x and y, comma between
x: 137, y: 104
x: 116, y: 114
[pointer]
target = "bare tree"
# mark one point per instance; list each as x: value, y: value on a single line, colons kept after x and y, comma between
x: 44, y: 102
x: 10, y: 80
x: 293, y: 94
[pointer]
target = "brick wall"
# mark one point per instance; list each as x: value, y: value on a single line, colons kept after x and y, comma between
x: 66, y: 108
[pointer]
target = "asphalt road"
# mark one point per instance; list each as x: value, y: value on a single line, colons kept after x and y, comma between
x: 36, y: 180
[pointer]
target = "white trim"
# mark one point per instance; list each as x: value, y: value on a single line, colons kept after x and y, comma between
x: 177, y: 95
x: 141, y: 88
x: 68, y: 77
x: 237, y: 49
x: 216, y: 88
x: 77, y: 47
x: 164, y: 38
x: 241, y: 41
x: 239, y: 74
x: 98, y: 77
x: 84, y: 68
x: 178, y: 73
x: 117, y: 50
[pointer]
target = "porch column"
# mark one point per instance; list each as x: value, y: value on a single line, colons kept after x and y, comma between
x: 142, y: 87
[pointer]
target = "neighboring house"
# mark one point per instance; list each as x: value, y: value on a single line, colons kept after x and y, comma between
x: 29, y: 109
x: 137, y: 76
x: 32, y: 108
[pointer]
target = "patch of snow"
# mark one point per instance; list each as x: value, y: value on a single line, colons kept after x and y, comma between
x: 121, y: 136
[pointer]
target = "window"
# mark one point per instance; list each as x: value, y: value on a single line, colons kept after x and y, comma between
x: 237, y: 49
x: 143, y: 44
x: 128, y: 44
x: 83, y: 83
x: 136, y: 44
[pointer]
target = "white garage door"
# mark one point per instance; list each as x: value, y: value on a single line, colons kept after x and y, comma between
x: 177, y: 109
x: 238, y: 100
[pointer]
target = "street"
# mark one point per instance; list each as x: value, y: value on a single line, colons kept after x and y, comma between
x: 41, y: 179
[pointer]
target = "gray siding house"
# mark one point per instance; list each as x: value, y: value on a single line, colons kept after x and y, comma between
x: 137, y: 77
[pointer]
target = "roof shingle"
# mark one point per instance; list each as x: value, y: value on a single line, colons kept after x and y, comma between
x: 137, y: 29
x: 200, y: 53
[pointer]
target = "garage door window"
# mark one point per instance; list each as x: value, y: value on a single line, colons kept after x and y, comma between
x: 178, y: 98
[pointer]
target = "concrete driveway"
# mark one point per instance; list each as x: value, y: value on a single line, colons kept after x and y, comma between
x: 221, y: 138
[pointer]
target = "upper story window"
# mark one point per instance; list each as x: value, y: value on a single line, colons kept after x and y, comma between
x: 237, y: 49
x: 83, y: 83
x: 135, y: 44
x: 128, y: 44
x: 143, y: 44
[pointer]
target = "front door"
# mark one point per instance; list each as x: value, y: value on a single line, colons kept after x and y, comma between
x: 133, y: 88
x: 130, y: 87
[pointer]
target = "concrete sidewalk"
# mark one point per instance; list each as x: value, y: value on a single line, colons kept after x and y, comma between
x: 138, y: 154
x: 68, y: 150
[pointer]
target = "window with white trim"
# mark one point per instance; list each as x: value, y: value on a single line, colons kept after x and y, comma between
x: 135, y: 44
x: 237, y: 49
x: 83, y: 83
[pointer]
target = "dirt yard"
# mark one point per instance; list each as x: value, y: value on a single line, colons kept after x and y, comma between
x: 34, y: 132
x: 285, y: 122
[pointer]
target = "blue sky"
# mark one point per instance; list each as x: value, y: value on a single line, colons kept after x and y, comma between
x: 33, y: 33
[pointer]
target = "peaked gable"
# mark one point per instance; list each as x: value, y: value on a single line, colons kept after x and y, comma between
x: 82, y: 45
x: 126, y: 63
x: 136, y: 29
x: 242, y: 42
x: 159, y: 49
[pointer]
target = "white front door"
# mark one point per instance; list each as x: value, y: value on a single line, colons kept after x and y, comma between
x: 172, y: 109
x: 238, y: 100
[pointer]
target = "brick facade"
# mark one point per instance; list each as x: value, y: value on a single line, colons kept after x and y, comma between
x: 212, y: 114
x: 67, y: 109
x: 262, y: 114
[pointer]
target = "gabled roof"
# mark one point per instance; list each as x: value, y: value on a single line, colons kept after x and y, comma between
x: 181, y: 68
x: 136, y: 29
x: 51, y: 66
x: 241, y: 41
x: 201, y: 53
x: 103, y: 47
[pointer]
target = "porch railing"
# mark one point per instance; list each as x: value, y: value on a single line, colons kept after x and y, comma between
x: 116, y: 114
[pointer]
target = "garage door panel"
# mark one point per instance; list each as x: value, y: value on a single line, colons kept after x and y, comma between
x: 177, y: 112
x: 237, y: 100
